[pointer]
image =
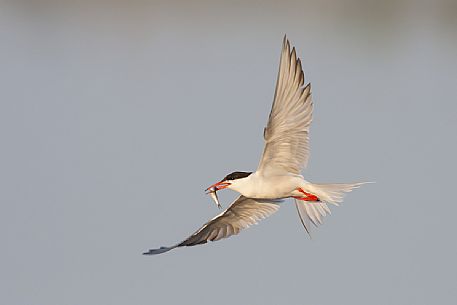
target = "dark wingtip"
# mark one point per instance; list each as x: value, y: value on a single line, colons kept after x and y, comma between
x: 157, y: 251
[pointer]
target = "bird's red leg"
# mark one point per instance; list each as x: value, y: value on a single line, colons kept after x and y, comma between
x: 308, y: 196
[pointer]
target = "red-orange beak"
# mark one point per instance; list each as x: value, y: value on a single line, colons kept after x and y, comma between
x: 218, y: 186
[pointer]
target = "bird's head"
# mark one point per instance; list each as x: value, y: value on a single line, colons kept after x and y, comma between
x: 230, y: 181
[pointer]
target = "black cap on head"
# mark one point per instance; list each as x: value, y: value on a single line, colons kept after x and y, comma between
x: 236, y: 175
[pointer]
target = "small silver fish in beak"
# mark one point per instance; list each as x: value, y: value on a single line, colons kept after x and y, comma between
x: 213, y: 193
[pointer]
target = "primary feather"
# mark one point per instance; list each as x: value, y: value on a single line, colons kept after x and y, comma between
x: 241, y: 214
x: 287, y: 132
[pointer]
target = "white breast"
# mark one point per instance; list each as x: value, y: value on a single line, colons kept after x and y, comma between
x: 258, y: 186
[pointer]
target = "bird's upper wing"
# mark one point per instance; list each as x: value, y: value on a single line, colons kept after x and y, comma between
x: 286, y: 135
x: 241, y: 214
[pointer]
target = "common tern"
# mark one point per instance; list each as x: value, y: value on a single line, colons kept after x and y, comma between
x: 278, y: 175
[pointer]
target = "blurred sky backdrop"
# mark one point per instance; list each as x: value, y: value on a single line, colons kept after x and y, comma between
x: 115, y: 115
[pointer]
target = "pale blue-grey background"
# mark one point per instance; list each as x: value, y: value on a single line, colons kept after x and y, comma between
x: 115, y: 115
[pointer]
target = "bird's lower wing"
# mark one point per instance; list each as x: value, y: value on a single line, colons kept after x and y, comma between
x: 241, y: 214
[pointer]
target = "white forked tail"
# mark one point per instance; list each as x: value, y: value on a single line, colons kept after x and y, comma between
x: 313, y: 211
x: 332, y: 193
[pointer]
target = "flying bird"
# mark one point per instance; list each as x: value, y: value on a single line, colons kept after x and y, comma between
x: 278, y: 174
